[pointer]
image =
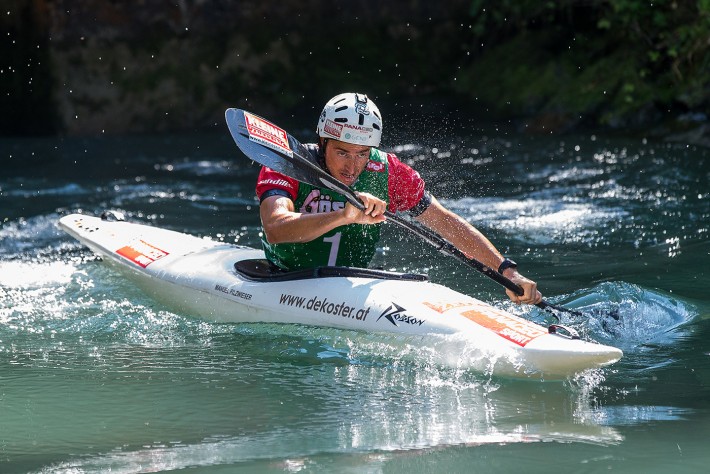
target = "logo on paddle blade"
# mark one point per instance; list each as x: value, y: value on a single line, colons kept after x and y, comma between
x: 395, y: 313
x: 266, y: 133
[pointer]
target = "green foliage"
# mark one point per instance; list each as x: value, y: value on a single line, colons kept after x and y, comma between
x: 609, y: 60
x: 601, y: 61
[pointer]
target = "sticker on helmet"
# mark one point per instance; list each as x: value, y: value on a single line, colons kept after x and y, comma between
x: 267, y: 134
x: 362, y: 108
x: 332, y: 128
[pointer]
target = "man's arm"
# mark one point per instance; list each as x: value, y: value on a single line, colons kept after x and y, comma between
x: 283, y: 224
x: 474, y: 244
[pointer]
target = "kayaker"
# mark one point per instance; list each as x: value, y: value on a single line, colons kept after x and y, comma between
x: 305, y: 226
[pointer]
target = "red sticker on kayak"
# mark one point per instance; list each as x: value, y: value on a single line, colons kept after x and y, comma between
x: 141, y: 253
x: 267, y: 134
x: 442, y: 307
x: 507, y: 326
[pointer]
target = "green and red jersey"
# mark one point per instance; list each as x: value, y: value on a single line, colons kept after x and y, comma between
x: 353, y: 245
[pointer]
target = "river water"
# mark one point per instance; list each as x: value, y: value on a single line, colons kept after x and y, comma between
x: 95, y: 376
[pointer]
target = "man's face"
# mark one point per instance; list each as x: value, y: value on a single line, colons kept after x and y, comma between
x: 346, y: 161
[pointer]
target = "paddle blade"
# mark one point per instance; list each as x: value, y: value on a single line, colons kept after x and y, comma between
x: 271, y: 146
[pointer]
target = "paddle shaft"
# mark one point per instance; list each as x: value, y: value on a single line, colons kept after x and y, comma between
x: 449, y: 249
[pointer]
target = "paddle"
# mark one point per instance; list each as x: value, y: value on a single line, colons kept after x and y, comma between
x: 271, y: 146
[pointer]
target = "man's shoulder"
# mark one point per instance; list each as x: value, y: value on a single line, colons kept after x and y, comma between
x: 397, y: 166
x: 380, y: 156
x: 270, y: 179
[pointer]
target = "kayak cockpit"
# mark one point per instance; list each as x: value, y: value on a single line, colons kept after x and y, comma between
x: 260, y: 269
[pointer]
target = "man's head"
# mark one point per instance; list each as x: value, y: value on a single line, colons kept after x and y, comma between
x: 351, y: 118
x: 349, y: 126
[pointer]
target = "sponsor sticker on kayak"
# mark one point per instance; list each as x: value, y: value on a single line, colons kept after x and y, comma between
x: 323, y: 305
x: 141, y: 253
x: 395, y: 313
x: 517, y: 330
x: 443, y: 306
x: 267, y: 134
x: 512, y: 328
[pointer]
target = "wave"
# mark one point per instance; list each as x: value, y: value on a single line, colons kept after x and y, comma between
x: 38, y: 188
x: 630, y: 316
x: 35, y: 238
x: 541, y: 220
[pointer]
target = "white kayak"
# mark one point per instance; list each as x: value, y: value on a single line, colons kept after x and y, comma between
x: 229, y: 283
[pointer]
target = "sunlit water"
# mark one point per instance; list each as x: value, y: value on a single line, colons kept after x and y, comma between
x: 96, y: 377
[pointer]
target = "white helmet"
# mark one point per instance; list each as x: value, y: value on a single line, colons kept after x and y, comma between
x: 351, y: 118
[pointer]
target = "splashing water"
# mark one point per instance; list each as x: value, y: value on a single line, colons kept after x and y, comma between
x: 629, y: 315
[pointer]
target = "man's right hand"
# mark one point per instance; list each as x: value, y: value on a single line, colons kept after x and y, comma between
x: 372, y: 214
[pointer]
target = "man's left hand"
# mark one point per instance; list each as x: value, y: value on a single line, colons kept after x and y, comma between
x: 530, y: 296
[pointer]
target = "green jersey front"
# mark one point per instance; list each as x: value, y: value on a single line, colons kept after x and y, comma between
x: 352, y: 245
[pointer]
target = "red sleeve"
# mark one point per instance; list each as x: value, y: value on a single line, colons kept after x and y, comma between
x: 270, y: 179
x: 406, y: 187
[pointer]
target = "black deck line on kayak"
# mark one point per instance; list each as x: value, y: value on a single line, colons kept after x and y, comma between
x: 263, y: 270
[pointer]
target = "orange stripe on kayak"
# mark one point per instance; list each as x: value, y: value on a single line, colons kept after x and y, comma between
x: 514, y: 329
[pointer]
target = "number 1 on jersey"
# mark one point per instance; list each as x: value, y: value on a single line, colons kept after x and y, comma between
x: 334, y: 246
